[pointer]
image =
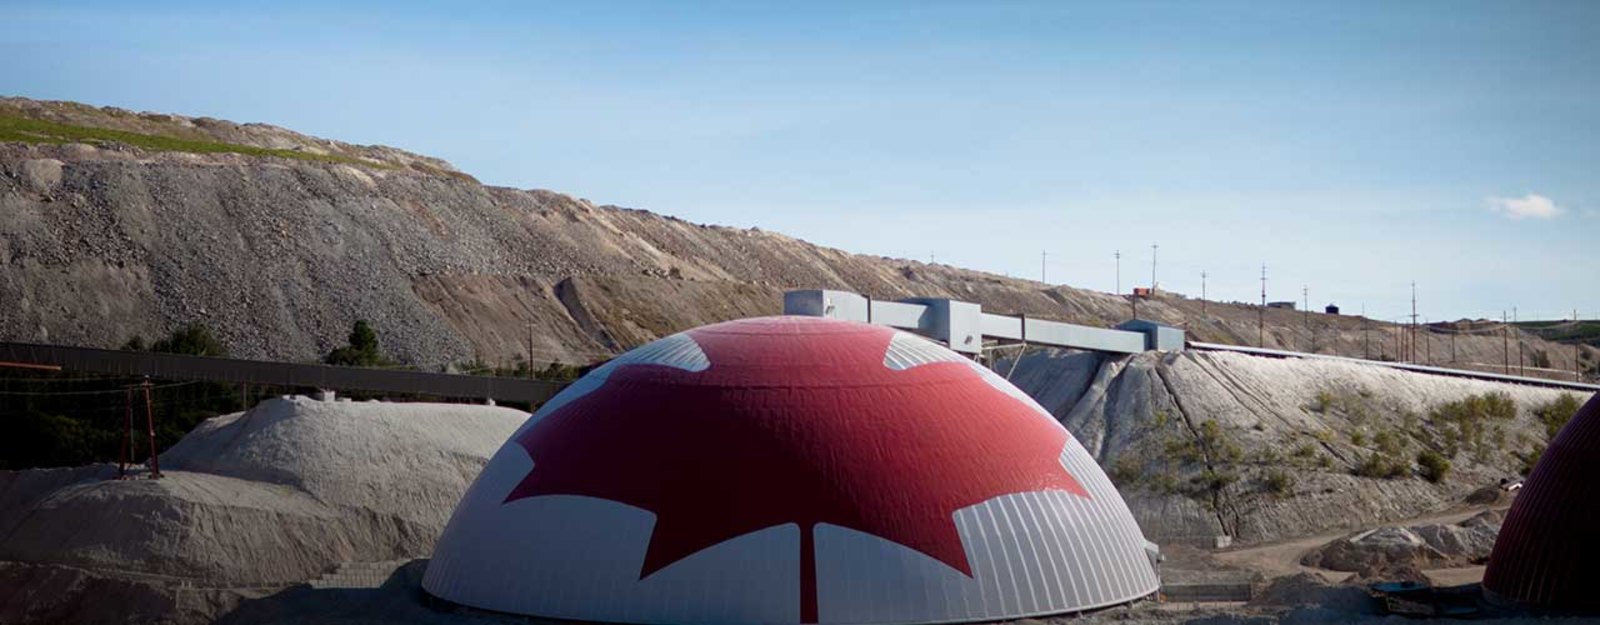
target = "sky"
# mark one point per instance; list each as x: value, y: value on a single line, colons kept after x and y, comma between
x: 1353, y: 148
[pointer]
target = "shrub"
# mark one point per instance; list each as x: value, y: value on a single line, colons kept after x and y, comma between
x: 1165, y: 482
x: 1321, y: 402
x: 1183, y: 450
x: 1492, y: 405
x: 1222, y: 448
x: 193, y: 339
x: 1279, y: 482
x: 1529, y: 458
x: 361, y: 352
x: 561, y: 372
x: 1556, y: 413
x: 1126, y: 472
x: 1434, y: 465
x: 1388, y: 443
x: 1463, y: 422
x: 1215, y: 480
x: 1378, y: 465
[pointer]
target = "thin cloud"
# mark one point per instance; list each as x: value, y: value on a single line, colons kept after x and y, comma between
x: 1532, y: 205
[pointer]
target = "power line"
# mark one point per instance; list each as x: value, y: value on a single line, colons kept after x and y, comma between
x: 99, y: 392
x: 56, y: 379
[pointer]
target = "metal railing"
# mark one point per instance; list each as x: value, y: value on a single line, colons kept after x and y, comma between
x: 240, y: 371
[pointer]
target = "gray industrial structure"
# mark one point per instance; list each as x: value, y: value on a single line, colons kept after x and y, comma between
x: 964, y: 326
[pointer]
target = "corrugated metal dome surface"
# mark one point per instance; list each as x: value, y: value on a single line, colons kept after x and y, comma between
x: 1550, y: 541
x: 791, y: 469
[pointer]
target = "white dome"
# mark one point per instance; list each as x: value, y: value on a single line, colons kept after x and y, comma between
x: 791, y: 470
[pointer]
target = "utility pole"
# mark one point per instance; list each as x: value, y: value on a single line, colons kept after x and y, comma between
x: 530, y: 350
x: 1505, y: 342
x: 1577, y: 351
x: 1261, y: 313
x: 1521, y: 369
x: 150, y: 429
x: 1413, y: 321
x: 1118, y: 256
x: 1153, y: 248
x: 1428, y: 346
x: 1366, y: 324
x: 126, y: 456
x: 1305, y: 316
x: 1202, y: 293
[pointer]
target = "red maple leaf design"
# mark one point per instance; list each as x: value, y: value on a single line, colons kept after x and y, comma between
x: 796, y: 422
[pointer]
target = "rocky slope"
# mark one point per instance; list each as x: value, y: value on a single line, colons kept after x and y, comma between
x: 101, y: 240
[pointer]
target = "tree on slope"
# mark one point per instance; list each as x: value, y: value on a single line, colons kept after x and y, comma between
x: 361, y: 352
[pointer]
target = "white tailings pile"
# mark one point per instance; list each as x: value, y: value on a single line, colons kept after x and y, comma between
x: 1207, y: 444
x: 266, y: 498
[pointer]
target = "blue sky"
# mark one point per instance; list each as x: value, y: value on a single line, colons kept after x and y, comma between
x: 1352, y: 147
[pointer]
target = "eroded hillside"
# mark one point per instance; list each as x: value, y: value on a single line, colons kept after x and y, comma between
x: 1206, y: 444
x: 102, y: 240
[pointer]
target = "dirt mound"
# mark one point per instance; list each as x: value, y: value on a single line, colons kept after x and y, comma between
x: 408, y: 461
x: 1492, y: 495
x: 1397, y: 552
x: 255, y: 500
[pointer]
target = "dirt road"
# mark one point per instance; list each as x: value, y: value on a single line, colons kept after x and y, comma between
x: 1283, y: 558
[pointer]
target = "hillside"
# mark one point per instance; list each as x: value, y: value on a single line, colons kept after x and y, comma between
x: 1582, y: 332
x: 116, y: 224
x: 1206, y: 444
